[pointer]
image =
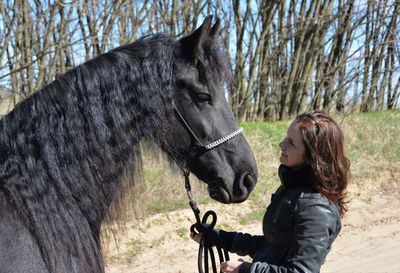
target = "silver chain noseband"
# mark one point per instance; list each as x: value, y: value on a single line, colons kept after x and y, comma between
x: 211, y: 145
x: 226, y: 138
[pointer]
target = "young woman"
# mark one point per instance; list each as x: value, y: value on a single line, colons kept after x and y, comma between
x: 303, y: 218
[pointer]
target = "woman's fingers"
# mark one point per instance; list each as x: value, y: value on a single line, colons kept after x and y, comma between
x: 196, y: 237
x: 230, y: 266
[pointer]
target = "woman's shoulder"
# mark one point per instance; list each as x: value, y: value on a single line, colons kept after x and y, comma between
x: 302, y: 197
x: 315, y: 206
x: 308, y: 198
x: 307, y: 206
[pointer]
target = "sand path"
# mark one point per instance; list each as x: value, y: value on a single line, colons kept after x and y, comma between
x: 369, y: 241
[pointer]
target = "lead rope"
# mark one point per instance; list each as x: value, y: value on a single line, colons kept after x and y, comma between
x: 206, y: 247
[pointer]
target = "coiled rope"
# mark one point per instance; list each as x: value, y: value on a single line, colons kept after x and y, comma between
x: 207, y: 244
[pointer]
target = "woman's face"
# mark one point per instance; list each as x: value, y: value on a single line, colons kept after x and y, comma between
x: 292, y: 147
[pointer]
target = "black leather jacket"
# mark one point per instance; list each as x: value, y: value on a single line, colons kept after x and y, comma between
x: 299, y: 227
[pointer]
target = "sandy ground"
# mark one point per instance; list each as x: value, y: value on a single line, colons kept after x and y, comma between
x: 369, y: 241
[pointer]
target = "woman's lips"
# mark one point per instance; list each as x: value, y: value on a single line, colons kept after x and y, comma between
x: 283, y: 158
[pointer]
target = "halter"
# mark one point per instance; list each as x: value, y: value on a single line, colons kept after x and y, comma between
x: 199, y: 145
x: 206, y: 244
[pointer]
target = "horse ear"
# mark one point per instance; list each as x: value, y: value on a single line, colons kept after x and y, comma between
x: 215, y: 29
x: 193, y: 44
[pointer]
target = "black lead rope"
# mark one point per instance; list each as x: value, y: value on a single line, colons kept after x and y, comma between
x: 207, y: 245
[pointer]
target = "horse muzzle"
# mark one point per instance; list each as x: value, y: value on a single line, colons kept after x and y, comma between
x: 232, y: 192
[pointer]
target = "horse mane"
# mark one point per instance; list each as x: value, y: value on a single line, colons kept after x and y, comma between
x: 64, y: 148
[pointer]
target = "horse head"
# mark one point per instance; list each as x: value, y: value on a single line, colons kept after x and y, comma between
x: 202, y: 116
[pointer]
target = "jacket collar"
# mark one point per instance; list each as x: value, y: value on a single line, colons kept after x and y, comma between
x: 296, y: 178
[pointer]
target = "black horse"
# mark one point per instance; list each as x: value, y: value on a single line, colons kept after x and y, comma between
x: 63, y: 149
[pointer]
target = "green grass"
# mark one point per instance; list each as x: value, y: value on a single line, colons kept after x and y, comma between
x: 182, y: 232
x: 160, y: 205
x: 373, y: 144
x: 264, y: 138
x: 377, y: 135
x: 254, y: 216
x: 133, y: 247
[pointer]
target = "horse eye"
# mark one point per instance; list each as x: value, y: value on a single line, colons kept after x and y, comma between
x: 203, y: 97
x: 181, y: 84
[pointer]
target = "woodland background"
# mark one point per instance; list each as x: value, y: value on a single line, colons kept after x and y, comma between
x: 286, y: 56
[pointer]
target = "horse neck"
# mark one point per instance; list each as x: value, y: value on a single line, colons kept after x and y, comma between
x: 133, y: 104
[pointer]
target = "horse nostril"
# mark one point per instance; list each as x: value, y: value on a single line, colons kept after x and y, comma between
x: 248, y: 183
x: 245, y: 186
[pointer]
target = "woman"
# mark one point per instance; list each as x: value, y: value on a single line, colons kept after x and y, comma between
x: 303, y: 218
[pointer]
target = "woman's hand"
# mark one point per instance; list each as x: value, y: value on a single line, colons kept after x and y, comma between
x: 196, y: 237
x: 230, y: 266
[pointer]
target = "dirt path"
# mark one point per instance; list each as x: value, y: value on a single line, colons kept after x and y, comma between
x: 369, y: 241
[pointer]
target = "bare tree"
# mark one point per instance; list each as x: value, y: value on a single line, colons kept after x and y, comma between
x: 287, y: 56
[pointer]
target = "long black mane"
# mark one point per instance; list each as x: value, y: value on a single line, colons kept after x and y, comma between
x: 63, y: 149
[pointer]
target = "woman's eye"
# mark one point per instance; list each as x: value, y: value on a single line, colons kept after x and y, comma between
x: 203, y: 97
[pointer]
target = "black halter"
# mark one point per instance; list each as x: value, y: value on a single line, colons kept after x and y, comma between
x: 201, y: 226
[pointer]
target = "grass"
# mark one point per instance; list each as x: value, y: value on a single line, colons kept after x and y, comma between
x: 372, y: 144
x: 264, y: 138
x: 253, y: 216
x: 182, y: 232
x: 133, y: 247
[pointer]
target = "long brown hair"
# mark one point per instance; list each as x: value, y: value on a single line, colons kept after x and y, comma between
x: 324, y: 144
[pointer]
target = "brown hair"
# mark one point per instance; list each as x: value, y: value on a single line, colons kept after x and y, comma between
x: 324, y: 144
